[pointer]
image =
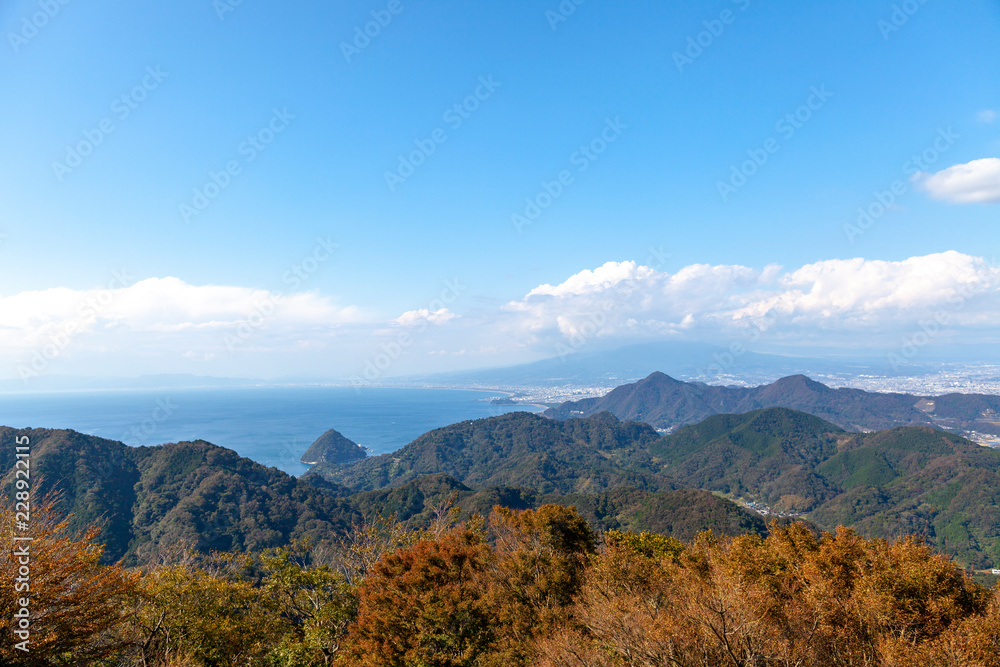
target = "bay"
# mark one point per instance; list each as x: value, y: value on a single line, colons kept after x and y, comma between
x: 271, y: 425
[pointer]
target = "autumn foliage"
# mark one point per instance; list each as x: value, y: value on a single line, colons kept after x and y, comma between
x: 75, y: 602
x: 535, y: 587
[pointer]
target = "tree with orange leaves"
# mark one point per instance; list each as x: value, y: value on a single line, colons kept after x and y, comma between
x: 793, y: 598
x: 74, y: 603
x: 424, y: 605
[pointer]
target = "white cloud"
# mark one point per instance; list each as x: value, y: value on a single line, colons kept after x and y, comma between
x: 161, y: 304
x: 986, y: 116
x: 412, y: 317
x: 970, y: 183
x: 166, y: 325
x: 158, y: 307
x: 702, y: 302
x: 608, y: 275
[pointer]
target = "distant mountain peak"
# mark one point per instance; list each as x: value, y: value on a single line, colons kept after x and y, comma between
x: 800, y: 382
x: 657, y: 376
x: 667, y: 403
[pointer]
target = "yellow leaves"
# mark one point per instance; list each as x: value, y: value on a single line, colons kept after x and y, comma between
x: 651, y: 545
x: 204, y: 615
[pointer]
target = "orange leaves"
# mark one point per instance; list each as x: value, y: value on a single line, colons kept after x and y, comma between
x: 74, y: 600
x: 424, y: 605
x: 790, y: 599
x: 529, y: 588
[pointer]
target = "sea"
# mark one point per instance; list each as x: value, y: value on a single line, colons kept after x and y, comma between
x: 270, y: 425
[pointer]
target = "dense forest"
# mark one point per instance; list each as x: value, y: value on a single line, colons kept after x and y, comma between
x: 525, y: 587
x: 618, y: 475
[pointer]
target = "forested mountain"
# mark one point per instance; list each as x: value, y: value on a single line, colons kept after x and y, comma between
x: 768, y: 455
x: 682, y: 513
x: 517, y: 449
x: 915, y: 480
x: 902, y: 480
x: 619, y: 475
x: 667, y: 403
x: 150, y: 497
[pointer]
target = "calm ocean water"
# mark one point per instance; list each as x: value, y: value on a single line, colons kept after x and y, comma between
x: 271, y: 425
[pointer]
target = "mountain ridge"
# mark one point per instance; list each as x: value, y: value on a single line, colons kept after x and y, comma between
x: 667, y: 403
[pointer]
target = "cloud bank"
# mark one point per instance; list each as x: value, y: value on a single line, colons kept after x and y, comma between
x: 167, y: 325
x: 842, y: 301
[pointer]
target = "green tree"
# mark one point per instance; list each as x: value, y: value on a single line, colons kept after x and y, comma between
x: 316, y: 605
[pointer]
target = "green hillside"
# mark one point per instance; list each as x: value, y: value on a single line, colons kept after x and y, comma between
x: 619, y: 475
x: 147, y: 498
x: 904, y: 480
x: 517, y: 449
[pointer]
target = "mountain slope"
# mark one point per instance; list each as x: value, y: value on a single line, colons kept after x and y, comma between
x: 95, y: 477
x: 197, y: 491
x: 667, y: 403
x: 517, y: 449
x: 682, y: 513
x: 912, y: 479
x: 148, y: 497
x: 766, y: 454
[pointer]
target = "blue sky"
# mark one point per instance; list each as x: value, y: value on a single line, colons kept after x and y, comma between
x: 893, y: 83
